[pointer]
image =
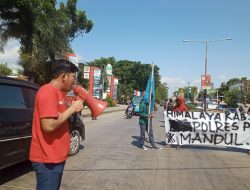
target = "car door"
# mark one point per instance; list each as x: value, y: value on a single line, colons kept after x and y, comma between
x: 16, y: 112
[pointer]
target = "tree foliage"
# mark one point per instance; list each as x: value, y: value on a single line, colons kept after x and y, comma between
x: 248, y: 97
x: 225, y: 85
x: 225, y: 91
x: 161, y: 93
x: 43, y: 30
x: 232, y: 97
x: 132, y: 75
x: 4, y: 70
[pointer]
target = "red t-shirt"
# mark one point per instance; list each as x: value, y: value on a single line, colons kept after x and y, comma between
x: 49, y: 147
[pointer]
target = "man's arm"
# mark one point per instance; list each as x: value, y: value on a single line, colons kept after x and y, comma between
x: 51, y: 124
x: 143, y: 111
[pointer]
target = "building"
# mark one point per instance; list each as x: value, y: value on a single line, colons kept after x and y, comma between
x: 246, y: 86
x: 243, y: 86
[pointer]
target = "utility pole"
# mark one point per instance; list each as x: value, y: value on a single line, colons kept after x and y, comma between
x: 206, y: 43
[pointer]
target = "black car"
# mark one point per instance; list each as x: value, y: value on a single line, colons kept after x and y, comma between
x: 17, y: 99
x: 226, y: 108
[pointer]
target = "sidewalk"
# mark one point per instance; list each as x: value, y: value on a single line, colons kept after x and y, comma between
x: 87, y: 113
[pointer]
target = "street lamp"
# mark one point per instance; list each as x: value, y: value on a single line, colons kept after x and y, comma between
x: 187, y: 92
x: 206, y: 42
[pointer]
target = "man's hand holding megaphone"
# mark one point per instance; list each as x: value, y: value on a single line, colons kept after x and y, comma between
x: 96, y: 106
x: 77, y: 105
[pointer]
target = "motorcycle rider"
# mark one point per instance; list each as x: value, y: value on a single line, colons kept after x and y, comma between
x: 130, y: 105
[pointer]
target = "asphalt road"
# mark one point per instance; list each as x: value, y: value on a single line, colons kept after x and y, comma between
x: 110, y: 159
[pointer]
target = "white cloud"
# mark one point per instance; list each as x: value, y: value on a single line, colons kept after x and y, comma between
x: 196, y: 82
x: 10, y: 55
x: 178, y: 82
x: 220, y: 79
x: 173, y: 83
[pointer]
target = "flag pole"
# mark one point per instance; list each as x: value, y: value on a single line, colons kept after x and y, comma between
x: 150, y: 97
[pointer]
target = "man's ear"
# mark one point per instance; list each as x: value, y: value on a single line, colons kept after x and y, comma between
x: 63, y: 76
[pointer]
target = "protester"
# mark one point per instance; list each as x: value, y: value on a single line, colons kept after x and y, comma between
x: 246, y: 108
x: 144, y: 118
x: 50, y: 132
x: 179, y: 107
x: 170, y: 106
x: 240, y: 109
x: 165, y: 105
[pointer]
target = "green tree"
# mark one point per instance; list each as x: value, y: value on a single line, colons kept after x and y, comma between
x: 43, y: 30
x: 161, y: 93
x: 17, y: 21
x: 4, y: 70
x: 132, y: 75
x: 224, y: 88
x: 248, y: 97
x: 232, y: 98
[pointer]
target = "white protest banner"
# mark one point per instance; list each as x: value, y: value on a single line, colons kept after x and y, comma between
x: 207, y: 128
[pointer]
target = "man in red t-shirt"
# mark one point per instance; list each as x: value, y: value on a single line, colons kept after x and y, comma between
x: 50, y: 132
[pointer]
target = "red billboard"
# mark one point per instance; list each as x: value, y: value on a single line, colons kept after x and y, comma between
x: 205, y: 82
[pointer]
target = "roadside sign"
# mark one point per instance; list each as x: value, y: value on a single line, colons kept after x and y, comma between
x: 86, y: 69
x: 205, y: 82
x: 86, y: 75
x: 109, y: 69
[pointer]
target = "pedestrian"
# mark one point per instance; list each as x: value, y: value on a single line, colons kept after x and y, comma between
x: 155, y: 107
x: 167, y: 108
x: 145, y: 121
x: 246, y: 108
x: 240, y: 109
x: 179, y: 107
x: 93, y: 118
x: 170, y: 106
x: 50, y: 131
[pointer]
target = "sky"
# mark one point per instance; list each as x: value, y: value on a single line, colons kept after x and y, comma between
x: 153, y: 32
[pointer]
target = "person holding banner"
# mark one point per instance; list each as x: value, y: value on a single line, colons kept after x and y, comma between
x: 245, y: 108
x: 179, y: 107
x: 169, y: 105
x: 50, y: 142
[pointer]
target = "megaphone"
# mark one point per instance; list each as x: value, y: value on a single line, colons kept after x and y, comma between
x: 96, y: 106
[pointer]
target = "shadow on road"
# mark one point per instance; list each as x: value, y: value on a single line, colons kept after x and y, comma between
x: 227, y: 149
x: 81, y: 147
x: 136, y: 141
x: 15, y: 171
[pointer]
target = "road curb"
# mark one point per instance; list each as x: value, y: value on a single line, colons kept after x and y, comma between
x: 87, y: 113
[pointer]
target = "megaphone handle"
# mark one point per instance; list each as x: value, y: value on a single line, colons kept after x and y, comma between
x: 78, y: 97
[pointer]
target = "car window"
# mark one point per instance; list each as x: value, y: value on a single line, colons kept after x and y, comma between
x: 224, y: 106
x: 11, y: 97
x: 29, y: 95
